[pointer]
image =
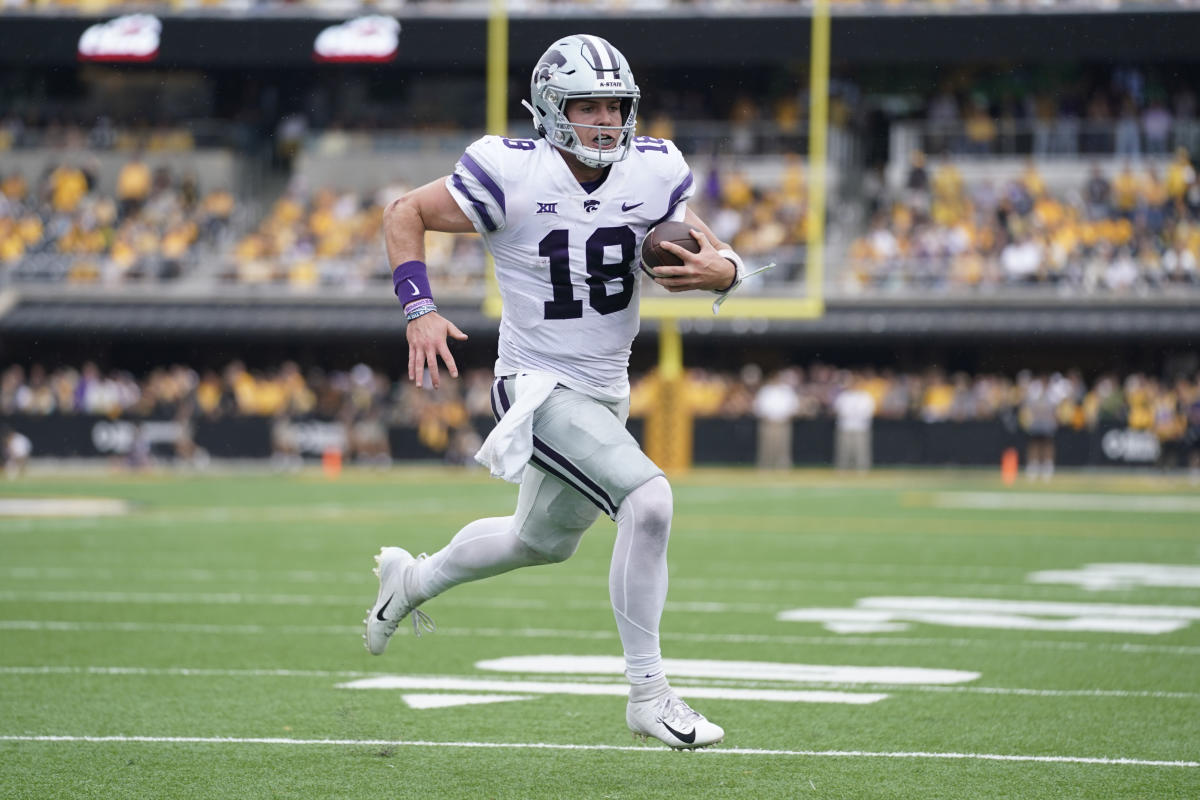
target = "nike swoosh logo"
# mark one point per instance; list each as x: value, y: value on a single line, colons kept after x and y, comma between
x: 415, y: 289
x: 625, y: 207
x: 379, y: 616
x: 686, y: 738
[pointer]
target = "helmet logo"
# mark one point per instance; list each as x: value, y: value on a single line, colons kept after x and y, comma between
x: 549, y: 66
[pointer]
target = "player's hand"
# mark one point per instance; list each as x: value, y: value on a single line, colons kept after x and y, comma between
x: 427, y: 343
x: 706, y: 269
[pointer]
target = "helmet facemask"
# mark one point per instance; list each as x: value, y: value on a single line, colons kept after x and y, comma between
x: 583, y: 67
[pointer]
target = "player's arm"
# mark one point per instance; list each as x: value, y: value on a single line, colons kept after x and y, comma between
x: 405, y: 221
x: 710, y: 269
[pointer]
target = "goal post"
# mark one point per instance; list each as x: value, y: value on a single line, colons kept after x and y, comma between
x: 669, y: 423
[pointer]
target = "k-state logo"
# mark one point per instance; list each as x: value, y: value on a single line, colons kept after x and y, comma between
x: 590, y: 205
x: 547, y: 208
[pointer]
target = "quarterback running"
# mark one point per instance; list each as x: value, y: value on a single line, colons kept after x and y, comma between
x: 563, y: 215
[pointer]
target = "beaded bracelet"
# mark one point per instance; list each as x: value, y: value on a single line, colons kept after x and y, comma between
x: 419, y: 310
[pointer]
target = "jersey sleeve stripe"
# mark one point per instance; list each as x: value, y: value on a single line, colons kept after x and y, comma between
x: 480, y: 208
x: 480, y: 175
x: 679, y: 192
x: 683, y: 186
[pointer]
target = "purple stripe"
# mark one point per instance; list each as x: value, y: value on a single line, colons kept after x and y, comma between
x: 684, y: 185
x: 480, y: 208
x: 612, y: 54
x: 580, y: 482
x: 596, y: 61
x: 565, y: 469
x: 484, y: 178
x: 497, y: 386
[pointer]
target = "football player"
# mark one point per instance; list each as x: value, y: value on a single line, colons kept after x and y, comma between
x: 563, y: 215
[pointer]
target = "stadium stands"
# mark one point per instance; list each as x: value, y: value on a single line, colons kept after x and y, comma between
x: 151, y: 225
x: 1136, y: 400
x: 1130, y: 230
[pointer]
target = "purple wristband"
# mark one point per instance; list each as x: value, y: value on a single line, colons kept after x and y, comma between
x: 411, y: 282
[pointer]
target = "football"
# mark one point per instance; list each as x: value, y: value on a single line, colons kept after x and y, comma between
x: 654, y: 255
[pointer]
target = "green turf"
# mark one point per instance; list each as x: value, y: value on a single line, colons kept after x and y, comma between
x: 231, y: 604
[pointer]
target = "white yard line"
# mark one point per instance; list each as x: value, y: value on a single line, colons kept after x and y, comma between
x: 70, y: 626
x: 250, y: 598
x: 1055, y: 501
x: 697, y: 687
x: 820, y: 573
x: 710, y: 752
x: 98, y: 575
x: 57, y: 507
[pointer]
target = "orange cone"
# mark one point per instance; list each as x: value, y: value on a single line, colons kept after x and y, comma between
x: 1010, y: 466
x: 331, y: 462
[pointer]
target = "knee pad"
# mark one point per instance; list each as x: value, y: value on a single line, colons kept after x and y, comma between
x: 652, y: 505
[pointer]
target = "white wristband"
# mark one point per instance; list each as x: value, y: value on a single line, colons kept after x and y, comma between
x: 739, y: 269
x: 739, y: 276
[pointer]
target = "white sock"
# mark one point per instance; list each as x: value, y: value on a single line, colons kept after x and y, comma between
x: 484, y: 548
x: 637, y: 583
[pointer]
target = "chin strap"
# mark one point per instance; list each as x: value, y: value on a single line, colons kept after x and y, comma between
x: 740, y: 275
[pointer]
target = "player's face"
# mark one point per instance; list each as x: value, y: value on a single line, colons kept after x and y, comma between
x: 590, y: 116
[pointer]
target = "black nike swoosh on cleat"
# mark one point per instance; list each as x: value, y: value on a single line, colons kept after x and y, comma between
x: 686, y: 738
x: 379, y: 614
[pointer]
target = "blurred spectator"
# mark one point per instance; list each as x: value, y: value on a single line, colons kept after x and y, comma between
x: 17, y: 449
x: 1039, y: 419
x: 854, y: 410
x: 1156, y: 126
x: 1128, y: 141
x: 134, y: 184
x: 1190, y: 397
x: 775, y: 406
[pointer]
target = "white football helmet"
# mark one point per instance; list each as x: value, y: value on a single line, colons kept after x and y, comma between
x: 582, y: 66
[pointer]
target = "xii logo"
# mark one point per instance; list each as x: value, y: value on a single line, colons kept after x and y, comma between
x: 547, y: 208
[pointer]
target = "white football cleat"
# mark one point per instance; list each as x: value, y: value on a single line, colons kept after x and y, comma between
x: 673, y: 722
x: 394, y: 602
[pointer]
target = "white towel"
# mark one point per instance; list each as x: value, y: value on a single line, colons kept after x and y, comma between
x: 507, y: 449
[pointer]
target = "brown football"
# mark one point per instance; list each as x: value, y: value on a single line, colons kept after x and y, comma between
x: 655, y: 255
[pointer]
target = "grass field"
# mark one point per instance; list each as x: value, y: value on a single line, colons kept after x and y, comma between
x: 203, y: 641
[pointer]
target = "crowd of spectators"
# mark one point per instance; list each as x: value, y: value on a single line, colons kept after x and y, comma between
x: 1129, y: 232
x: 331, y: 238
x: 62, y: 227
x: 97, y: 133
x: 1046, y: 124
x: 367, y: 401
x: 1126, y: 111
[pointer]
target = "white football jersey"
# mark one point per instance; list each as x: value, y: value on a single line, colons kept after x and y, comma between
x: 567, y: 259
